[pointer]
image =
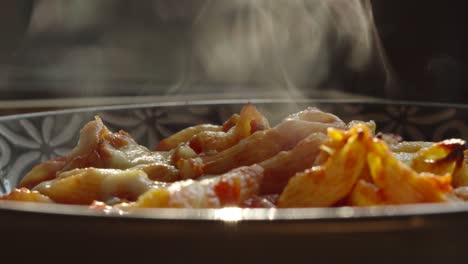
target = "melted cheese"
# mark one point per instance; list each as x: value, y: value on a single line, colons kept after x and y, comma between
x: 83, y: 186
x: 133, y: 155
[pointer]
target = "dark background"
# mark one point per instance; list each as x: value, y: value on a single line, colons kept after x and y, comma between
x: 426, y: 43
x: 423, y: 41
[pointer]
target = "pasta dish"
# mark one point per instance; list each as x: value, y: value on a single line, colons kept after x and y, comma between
x: 309, y: 159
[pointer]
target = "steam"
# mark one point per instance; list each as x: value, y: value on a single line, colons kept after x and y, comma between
x: 292, y: 43
x: 169, y: 47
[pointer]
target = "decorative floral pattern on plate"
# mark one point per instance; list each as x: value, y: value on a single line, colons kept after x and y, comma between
x: 25, y: 142
x: 418, y: 122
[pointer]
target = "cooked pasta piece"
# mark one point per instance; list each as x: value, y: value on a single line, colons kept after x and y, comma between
x: 410, y: 146
x: 44, y: 171
x: 185, y: 135
x: 365, y: 193
x: 313, y: 114
x: 265, y: 144
x: 100, y: 148
x: 250, y: 121
x: 83, y: 186
x: 327, y: 184
x: 231, y: 122
x: 370, y: 124
x: 281, y: 167
x: 160, y: 172
x: 26, y: 195
x: 440, y: 158
x: 230, y: 189
x: 461, y: 178
x: 399, y: 184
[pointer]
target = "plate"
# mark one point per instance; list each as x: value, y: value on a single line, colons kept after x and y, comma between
x: 431, y: 231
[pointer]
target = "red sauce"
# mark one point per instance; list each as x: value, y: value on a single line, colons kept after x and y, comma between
x: 227, y: 192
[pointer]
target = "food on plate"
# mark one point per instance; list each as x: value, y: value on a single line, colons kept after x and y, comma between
x: 309, y: 159
x: 26, y: 195
x: 326, y: 184
x: 229, y: 189
x: 83, y: 186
